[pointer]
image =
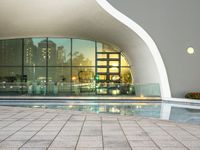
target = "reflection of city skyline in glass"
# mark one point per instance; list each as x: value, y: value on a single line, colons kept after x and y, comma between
x: 62, y: 71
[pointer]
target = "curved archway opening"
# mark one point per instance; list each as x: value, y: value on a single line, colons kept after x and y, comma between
x: 96, y: 20
x: 150, y: 47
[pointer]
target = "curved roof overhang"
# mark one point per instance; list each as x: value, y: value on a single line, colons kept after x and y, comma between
x: 88, y: 19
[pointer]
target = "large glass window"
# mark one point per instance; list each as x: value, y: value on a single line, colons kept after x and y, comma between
x: 59, y: 81
x: 36, y: 80
x: 83, y: 53
x: 83, y: 80
x: 59, y: 52
x: 61, y: 66
x: 35, y: 51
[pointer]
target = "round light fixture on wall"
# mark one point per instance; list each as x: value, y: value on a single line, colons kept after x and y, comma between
x: 190, y: 50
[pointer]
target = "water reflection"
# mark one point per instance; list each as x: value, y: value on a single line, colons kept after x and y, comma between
x: 181, y: 111
x: 139, y: 109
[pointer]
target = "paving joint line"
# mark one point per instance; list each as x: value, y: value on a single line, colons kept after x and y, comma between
x: 102, y: 132
x: 16, y: 120
x: 172, y: 136
x: 20, y: 128
x: 38, y: 130
x: 148, y: 135
x: 60, y: 130
x: 80, y: 132
x: 188, y: 132
x: 2, y: 119
x: 124, y: 133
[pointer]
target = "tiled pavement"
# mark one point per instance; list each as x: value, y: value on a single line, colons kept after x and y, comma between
x: 41, y: 129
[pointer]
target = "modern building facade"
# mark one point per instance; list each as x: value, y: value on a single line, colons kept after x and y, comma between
x: 87, y: 47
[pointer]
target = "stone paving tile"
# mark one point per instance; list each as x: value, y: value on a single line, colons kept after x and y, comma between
x: 136, y: 137
x: 165, y: 137
x: 91, y: 131
x: 191, y: 143
x: 37, y: 143
x: 68, y: 130
x: 31, y: 148
x: 115, y: 142
x: 63, y: 144
x: 166, y: 143
x: 142, y: 143
x: 173, y: 148
x: 194, y: 148
x: 58, y: 148
x: 115, y: 148
x: 11, y: 144
x: 21, y: 136
x: 93, y: 148
x: 90, y: 141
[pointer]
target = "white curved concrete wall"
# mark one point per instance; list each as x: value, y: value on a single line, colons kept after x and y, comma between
x: 174, y: 25
x: 81, y: 19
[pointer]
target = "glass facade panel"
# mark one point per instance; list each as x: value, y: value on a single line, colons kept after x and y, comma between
x: 104, y: 70
x: 102, y: 56
x: 114, y: 63
x: 114, y: 56
x: 124, y: 62
x: 11, y: 52
x: 102, y: 77
x: 83, y: 80
x: 102, y: 63
x: 59, y: 81
x: 59, y: 52
x: 83, y: 53
x: 126, y: 76
x: 113, y: 70
x: 61, y: 66
x: 10, y: 81
x: 36, y: 80
x: 35, y: 51
x: 105, y: 47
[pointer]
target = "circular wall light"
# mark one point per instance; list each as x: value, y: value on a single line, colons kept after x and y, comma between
x: 190, y: 50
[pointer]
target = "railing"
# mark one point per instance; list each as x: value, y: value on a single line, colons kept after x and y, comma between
x: 81, y: 89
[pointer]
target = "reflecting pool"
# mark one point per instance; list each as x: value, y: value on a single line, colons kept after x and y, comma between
x: 176, y: 111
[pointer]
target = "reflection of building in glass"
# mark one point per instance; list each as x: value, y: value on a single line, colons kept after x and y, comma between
x: 73, y: 67
x: 29, y: 52
x: 42, y: 47
x: 61, y: 58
